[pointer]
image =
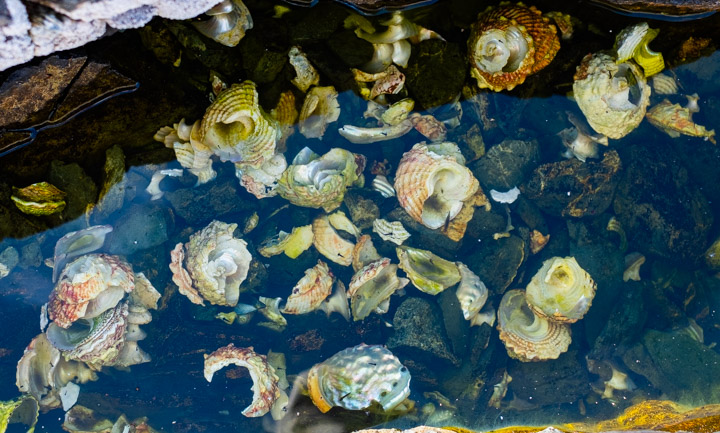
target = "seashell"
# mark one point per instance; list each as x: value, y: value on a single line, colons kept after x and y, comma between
x: 306, y: 74
x: 397, y: 112
x: 190, y: 152
x: 388, y: 82
x: 356, y: 377
x: 398, y: 28
x: 229, y: 20
x: 508, y: 196
x: 619, y: 381
x: 39, y: 199
x: 428, y: 272
x: 364, y: 253
x: 390, y: 231
x: 472, y: 295
x: 431, y: 128
x: 612, y: 96
x: 538, y: 241
x: 527, y: 336
x: 315, y: 182
x: 311, y: 290
x: 22, y: 410
x: 286, y: 115
x: 500, y: 390
x: 674, y: 119
x: 153, y: 187
x: 614, y: 225
x: 561, y: 290
x: 292, y: 244
x: 432, y: 187
x: 320, y: 109
x: 382, y: 185
x: 337, y: 302
x: 633, y: 261
x: 340, y: 221
x: 564, y: 22
x: 664, y: 84
x: 508, y: 43
x: 271, y: 311
x: 371, y: 286
x: 215, y: 265
x: 632, y: 43
x: 265, y: 382
x: 42, y: 372
x: 236, y: 128
x: 251, y: 222
x: 77, y: 243
x: 360, y: 135
x: 262, y: 181
x: 329, y: 243
x: 88, y: 286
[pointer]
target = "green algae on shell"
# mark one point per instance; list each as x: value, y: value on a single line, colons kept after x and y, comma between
x: 21, y: 410
x: 428, y: 272
x: 40, y: 198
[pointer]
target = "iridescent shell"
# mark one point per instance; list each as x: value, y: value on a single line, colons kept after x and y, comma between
x: 508, y: 43
x: 306, y: 74
x: 372, y: 286
x: 39, y: 199
x: 215, y: 266
x: 398, y: 28
x: 612, y: 96
x: 428, y: 272
x: 311, y: 290
x: 472, y: 295
x: 431, y: 186
x: 632, y: 43
x: 382, y: 185
x: 265, y: 382
x: 229, y: 20
x: 42, y: 372
x: 292, y: 244
x: 329, y: 243
x: 360, y: 135
x: 674, y: 119
x: 356, y: 377
x: 236, y: 128
x: 23, y: 409
x: 561, y: 290
x: 390, y: 231
x: 88, y: 286
x: 527, y: 336
x: 319, y: 109
x: 315, y: 182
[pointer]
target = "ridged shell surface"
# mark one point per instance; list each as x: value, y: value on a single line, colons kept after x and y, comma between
x: 508, y: 43
x: 319, y: 109
x: 356, y: 377
x: 330, y: 244
x: 561, y: 290
x: 311, y: 290
x: 527, y: 336
x: 471, y: 293
x: 432, y: 187
x: 674, y: 119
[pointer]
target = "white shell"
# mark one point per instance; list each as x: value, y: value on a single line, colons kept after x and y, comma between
x: 390, y: 231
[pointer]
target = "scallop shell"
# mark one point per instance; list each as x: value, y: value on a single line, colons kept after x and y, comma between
x: 428, y: 272
x: 88, y: 286
x: 664, y: 84
x: 390, y: 231
x: 319, y: 109
x: 371, y: 286
x: 236, y: 128
x: 508, y: 43
x: 190, y: 152
x: 613, y: 97
x: 432, y: 187
x: 265, y: 382
x: 311, y: 290
x: 527, y: 336
x: 330, y: 244
x: 561, y: 290
x: 356, y: 377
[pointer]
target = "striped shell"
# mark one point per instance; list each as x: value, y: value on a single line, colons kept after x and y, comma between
x: 88, y: 286
x: 330, y: 244
x: 508, y: 43
x: 311, y: 290
x: 472, y: 295
x: 561, y: 290
x: 527, y: 336
x: 432, y: 187
x: 236, y: 128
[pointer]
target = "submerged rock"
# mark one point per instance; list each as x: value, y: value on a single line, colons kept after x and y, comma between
x: 436, y: 72
x: 506, y: 164
x: 112, y: 194
x: 562, y: 380
x: 79, y: 187
x: 141, y: 227
x: 497, y: 262
x: 203, y: 203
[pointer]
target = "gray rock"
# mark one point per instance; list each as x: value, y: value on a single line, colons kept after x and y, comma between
x: 204, y: 203
x: 506, y: 164
x: 496, y: 262
x: 31, y: 255
x: 9, y: 258
x: 141, y: 227
x: 551, y: 382
x: 457, y: 328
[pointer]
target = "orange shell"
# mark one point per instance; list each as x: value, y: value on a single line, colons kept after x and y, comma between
x: 314, y: 391
x: 311, y: 290
x: 541, y: 35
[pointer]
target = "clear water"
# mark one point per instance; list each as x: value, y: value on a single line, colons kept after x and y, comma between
x: 677, y: 287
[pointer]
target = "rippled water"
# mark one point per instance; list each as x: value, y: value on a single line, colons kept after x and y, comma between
x: 662, y: 331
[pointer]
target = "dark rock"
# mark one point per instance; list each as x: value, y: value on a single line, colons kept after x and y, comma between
x: 622, y: 327
x: 506, y: 164
x: 79, y: 187
x: 31, y: 255
x: 141, y: 227
x: 496, y: 262
x: 263, y: 59
x: 363, y: 209
x: 574, y: 188
x: 457, y: 328
x: 352, y: 50
x: 423, y: 237
x: 420, y: 335
x: 207, y: 202
x: 435, y: 73
x: 551, y: 382
x: 680, y: 367
x: 531, y: 215
x: 484, y: 224
x: 661, y: 209
x: 318, y: 23
x: 112, y: 194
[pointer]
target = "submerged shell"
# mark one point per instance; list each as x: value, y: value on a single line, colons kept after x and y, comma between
x: 561, y: 290
x: 508, y: 43
x: 371, y: 286
x: 612, y: 96
x: 329, y: 243
x: 77, y: 243
x: 39, y: 199
x: 190, y: 152
x: 674, y: 119
x: 428, y: 272
x: 664, y: 84
x: 306, y: 74
x: 472, y: 295
x: 229, y: 20
x: 390, y: 231
x: 527, y: 336
x: 236, y: 128
x: 315, y: 182
x: 265, y: 382
x: 432, y: 187
x: 319, y: 109
x: 292, y: 244
x: 311, y: 290
x: 88, y: 286
x: 632, y: 43
x: 356, y: 377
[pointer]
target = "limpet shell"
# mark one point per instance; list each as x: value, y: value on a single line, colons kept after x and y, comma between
x: 561, y: 290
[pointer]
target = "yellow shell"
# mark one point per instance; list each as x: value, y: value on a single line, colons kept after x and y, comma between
x: 674, y: 119
x: 429, y: 273
x: 330, y: 244
x: 311, y: 290
x: 39, y: 199
x: 236, y: 128
x: 527, y: 336
x: 432, y: 187
x: 561, y: 290
x: 508, y: 43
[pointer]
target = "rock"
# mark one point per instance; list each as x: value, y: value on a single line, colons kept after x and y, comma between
x: 436, y: 73
x: 622, y: 327
x: 352, y: 50
x: 484, y: 224
x: 263, y: 57
x: 420, y: 335
x: 661, y: 209
x: 677, y: 8
x: 574, y: 188
x: 363, y: 209
x: 139, y: 228
x: 210, y: 201
x: 79, y: 187
x: 680, y: 367
x: 457, y: 328
x: 423, y: 237
x: 112, y: 194
x: 9, y: 258
x: 31, y: 255
x: 496, y: 262
x: 506, y: 165
x: 318, y: 23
